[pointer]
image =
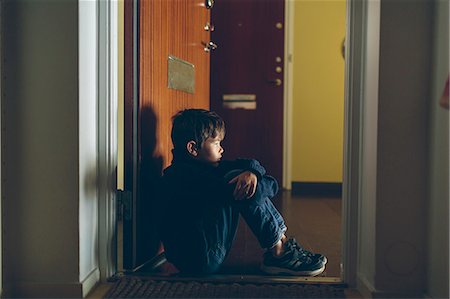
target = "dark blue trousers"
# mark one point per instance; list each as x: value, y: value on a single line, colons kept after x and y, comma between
x: 206, y: 250
x: 261, y: 216
x: 259, y: 213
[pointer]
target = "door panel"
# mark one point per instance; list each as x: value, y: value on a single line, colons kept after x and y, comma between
x: 245, y: 62
x: 172, y: 27
x: 166, y: 27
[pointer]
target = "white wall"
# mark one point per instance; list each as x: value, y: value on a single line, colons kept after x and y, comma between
x: 49, y: 138
x: 40, y: 144
x: 88, y: 159
x: 403, y: 146
x: 393, y: 218
x: 438, y: 230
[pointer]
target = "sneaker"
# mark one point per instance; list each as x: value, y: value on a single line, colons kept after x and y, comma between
x: 292, y: 262
x: 292, y: 242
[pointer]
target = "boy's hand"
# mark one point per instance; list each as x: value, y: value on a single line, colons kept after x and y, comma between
x: 245, y: 185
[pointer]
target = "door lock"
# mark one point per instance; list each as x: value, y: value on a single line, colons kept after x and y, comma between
x: 210, y: 46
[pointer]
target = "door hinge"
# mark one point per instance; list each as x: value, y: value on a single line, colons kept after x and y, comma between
x: 124, y: 199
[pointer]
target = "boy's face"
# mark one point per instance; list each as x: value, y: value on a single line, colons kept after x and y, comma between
x: 211, y: 150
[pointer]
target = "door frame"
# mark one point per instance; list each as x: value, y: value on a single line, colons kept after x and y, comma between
x: 107, y: 129
x: 356, y: 27
x: 354, y: 70
x: 354, y: 87
x: 1, y: 147
x: 288, y: 93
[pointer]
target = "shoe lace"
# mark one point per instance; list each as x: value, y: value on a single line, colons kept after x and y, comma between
x: 297, y: 251
x: 293, y: 245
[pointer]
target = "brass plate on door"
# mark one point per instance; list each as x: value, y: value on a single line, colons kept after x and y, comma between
x: 181, y: 75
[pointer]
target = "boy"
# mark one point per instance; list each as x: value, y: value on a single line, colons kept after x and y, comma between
x: 206, y: 195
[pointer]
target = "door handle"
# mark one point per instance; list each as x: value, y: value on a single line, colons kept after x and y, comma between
x: 210, y: 46
x: 276, y: 81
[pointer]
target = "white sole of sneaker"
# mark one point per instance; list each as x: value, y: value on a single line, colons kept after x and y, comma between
x: 282, y: 271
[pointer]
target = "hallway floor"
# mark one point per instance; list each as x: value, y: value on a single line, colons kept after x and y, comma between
x: 314, y: 222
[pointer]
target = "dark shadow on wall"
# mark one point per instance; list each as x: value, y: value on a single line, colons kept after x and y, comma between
x: 149, y: 184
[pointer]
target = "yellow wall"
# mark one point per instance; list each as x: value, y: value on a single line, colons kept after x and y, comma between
x: 318, y: 91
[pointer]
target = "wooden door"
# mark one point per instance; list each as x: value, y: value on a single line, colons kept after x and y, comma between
x: 165, y: 27
x: 249, y: 61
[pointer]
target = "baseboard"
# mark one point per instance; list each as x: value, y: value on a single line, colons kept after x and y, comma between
x: 363, y: 286
x: 317, y: 189
x: 52, y: 290
x: 43, y: 290
x: 367, y: 290
x: 384, y: 295
x: 90, y: 282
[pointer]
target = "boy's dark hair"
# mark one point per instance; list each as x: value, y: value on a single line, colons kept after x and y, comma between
x: 197, y: 125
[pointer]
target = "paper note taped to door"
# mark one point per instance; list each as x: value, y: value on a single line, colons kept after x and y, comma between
x: 239, y: 101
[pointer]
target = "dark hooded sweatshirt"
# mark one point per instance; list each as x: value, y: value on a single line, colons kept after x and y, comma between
x: 195, y: 194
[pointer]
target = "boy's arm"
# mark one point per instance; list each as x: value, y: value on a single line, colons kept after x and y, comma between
x: 264, y: 186
x: 256, y: 168
x: 244, y: 165
x: 247, y: 186
x: 267, y: 187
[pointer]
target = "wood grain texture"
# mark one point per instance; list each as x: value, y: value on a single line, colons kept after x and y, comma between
x: 170, y: 27
x: 166, y: 27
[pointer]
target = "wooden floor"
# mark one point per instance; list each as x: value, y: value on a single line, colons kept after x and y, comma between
x: 314, y: 222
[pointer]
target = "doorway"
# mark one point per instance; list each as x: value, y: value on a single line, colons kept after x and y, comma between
x: 344, y: 245
x: 258, y: 42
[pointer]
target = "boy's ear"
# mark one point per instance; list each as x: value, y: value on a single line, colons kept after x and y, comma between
x: 191, y: 148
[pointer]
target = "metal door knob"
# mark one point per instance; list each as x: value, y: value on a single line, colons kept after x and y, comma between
x: 277, y: 82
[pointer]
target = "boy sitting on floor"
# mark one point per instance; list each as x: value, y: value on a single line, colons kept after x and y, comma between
x: 205, y: 196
